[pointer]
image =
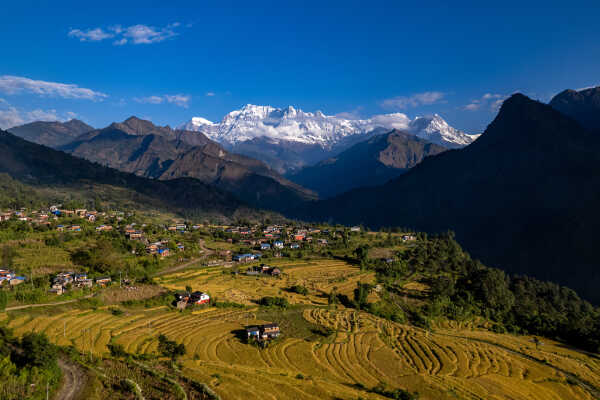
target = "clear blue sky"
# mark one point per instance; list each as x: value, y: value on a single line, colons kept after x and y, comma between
x: 169, y: 61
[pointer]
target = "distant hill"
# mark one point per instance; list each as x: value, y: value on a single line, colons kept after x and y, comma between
x: 144, y: 149
x: 583, y: 106
x: 523, y: 197
x: 369, y: 163
x: 51, y: 134
x: 41, y: 167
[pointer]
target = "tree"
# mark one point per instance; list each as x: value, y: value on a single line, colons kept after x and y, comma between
x: 38, y: 351
x: 170, y: 348
x: 3, y: 299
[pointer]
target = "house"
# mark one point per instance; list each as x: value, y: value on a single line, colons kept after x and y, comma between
x: 81, y: 212
x: 265, y: 246
x: 299, y: 237
x: 5, y: 217
x: 91, y: 217
x: 269, y: 331
x: 57, y: 288
x: 84, y: 283
x: 104, y: 281
x: 75, y: 228
x: 408, y: 238
x: 322, y: 242
x: 163, y: 252
x: 262, y: 333
x: 60, y: 228
x: 17, y: 280
x: 199, y: 298
x: 294, y: 246
x: 104, y: 228
x: 136, y: 235
x: 80, y: 277
x: 180, y: 247
x: 185, y: 296
x: 278, y: 244
x: 244, y: 257
x: 253, y: 332
x: 355, y: 229
x: 181, y: 227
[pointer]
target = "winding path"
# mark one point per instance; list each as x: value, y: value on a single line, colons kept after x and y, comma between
x: 73, y: 382
x: 56, y: 303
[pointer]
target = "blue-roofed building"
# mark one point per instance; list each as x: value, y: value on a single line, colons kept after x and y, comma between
x: 265, y: 246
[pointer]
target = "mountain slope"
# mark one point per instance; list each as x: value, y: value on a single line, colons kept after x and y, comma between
x: 523, y: 197
x: 139, y: 147
x: 369, y: 163
x: 51, y: 134
x: 41, y: 166
x: 307, y: 137
x: 583, y: 106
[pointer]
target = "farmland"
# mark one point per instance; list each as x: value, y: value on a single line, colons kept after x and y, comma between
x: 318, y: 276
x: 361, y: 352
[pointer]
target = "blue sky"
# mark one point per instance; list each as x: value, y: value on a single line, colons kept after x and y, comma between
x: 169, y: 61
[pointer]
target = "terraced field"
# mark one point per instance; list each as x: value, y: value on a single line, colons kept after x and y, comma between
x: 452, y: 363
x: 319, y: 276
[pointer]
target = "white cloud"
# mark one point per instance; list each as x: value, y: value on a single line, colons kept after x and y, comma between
x: 149, y: 100
x: 16, y: 84
x: 210, y: 94
x: 71, y: 115
x: 418, y: 99
x: 491, y: 101
x: 135, y: 34
x: 392, y: 121
x: 180, y: 100
x: 90, y: 35
x: 11, y: 116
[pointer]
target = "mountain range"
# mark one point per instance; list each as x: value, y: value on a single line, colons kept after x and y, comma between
x: 42, y: 168
x: 53, y: 133
x: 368, y: 163
x: 581, y: 105
x: 140, y: 147
x: 523, y: 197
x: 306, y: 138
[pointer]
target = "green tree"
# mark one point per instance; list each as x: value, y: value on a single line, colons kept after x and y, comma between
x: 3, y: 299
x: 170, y: 348
x: 38, y: 351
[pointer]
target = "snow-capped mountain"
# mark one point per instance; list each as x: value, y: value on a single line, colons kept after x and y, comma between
x: 317, y: 128
x: 434, y: 129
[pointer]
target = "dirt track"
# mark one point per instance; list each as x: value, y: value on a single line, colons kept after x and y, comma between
x: 73, y: 381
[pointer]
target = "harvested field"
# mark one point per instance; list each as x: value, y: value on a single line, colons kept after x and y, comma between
x: 363, y: 349
x: 318, y: 276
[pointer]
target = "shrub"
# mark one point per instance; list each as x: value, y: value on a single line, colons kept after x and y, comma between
x: 299, y: 289
x: 274, y: 302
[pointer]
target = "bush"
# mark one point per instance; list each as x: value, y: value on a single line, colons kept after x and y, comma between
x: 170, y: 348
x: 116, y: 350
x: 299, y: 289
x: 274, y: 302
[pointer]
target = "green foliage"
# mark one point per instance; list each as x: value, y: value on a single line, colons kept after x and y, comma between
x: 170, y: 348
x: 396, y: 394
x: 3, y: 299
x: 269, y: 301
x: 299, y: 289
x: 37, y: 351
x: 116, y: 350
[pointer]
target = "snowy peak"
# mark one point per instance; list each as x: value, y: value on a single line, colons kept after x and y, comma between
x: 435, y: 129
x: 291, y: 124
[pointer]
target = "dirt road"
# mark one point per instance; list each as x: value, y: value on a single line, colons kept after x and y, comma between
x: 73, y: 381
x: 57, y: 303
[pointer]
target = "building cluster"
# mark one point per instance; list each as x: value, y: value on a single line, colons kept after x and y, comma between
x: 190, y: 299
x: 63, y: 280
x: 262, y: 333
x: 8, y: 277
x: 263, y: 270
